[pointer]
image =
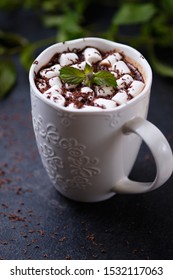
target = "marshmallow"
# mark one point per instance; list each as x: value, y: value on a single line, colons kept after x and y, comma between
x: 135, y: 88
x: 104, y: 90
x: 86, y: 90
x: 105, y: 103
x: 58, y: 98
x: 70, y: 86
x: 55, y: 81
x: 121, y: 67
x: 54, y: 94
x: 124, y: 81
x: 89, y: 93
x: 72, y: 107
x: 68, y: 94
x: 90, y: 108
x: 80, y: 66
x: 92, y: 55
x: 53, y: 90
x: 114, y: 73
x: 41, y: 84
x: 50, y: 72
x: 120, y: 97
x: 111, y: 59
x: 68, y: 59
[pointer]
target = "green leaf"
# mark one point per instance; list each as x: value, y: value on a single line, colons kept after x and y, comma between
x: 162, y: 68
x: 8, y: 77
x: 134, y: 13
x: 69, y: 25
x: 12, y: 40
x: 53, y: 21
x: 88, y: 69
x: 167, y: 6
x: 2, y: 50
x: 71, y: 75
x: 104, y: 78
x: 28, y: 52
x: 27, y: 56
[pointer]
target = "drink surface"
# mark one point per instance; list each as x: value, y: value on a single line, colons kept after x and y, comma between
x: 90, y: 85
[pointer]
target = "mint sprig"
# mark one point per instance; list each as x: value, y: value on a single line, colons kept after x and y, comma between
x: 71, y: 75
x: 105, y: 78
x: 87, y: 77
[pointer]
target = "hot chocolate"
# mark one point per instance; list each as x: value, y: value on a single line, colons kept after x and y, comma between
x: 89, y: 78
x: 87, y: 149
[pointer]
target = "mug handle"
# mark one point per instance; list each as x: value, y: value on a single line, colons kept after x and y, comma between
x: 160, y: 150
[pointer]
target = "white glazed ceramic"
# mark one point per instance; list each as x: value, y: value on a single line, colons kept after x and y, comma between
x: 89, y: 155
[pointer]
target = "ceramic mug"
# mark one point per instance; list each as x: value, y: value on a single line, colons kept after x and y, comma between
x: 89, y: 155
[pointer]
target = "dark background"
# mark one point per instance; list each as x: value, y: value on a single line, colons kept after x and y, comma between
x: 36, y: 222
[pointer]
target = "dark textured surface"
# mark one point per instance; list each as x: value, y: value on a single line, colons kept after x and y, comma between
x: 38, y: 223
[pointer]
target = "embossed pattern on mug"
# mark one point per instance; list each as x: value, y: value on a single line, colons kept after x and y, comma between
x: 80, y: 166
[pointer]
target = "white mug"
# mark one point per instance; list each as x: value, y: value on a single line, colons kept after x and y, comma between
x: 88, y: 155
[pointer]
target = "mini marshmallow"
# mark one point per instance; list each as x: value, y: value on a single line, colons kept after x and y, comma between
x: 50, y: 72
x: 80, y: 66
x: 105, y: 103
x: 55, y: 81
x: 41, y: 84
x: 57, y: 98
x: 120, y: 97
x: 86, y: 90
x: 104, y: 90
x: 68, y: 94
x: 90, y: 108
x: 70, y: 86
x: 72, y: 107
x: 135, y: 88
x: 111, y: 59
x: 124, y: 81
x: 114, y: 73
x: 92, y: 55
x: 121, y: 67
x: 53, y: 90
x: 89, y: 93
x: 68, y: 59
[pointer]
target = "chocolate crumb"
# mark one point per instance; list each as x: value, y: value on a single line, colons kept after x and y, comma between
x: 68, y: 257
x: 4, y: 205
x: 3, y: 242
x: 15, y: 218
x: 62, y: 239
x: 41, y: 232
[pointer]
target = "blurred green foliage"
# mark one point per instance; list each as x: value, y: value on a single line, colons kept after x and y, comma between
x: 151, y: 20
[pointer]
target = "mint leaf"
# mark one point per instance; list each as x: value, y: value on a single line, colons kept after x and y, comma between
x: 88, y: 69
x: 76, y: 76
x: 104, y: 78
x: 72, y: 75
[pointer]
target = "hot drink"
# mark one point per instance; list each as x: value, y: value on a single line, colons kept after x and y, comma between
x: 90, y: 99
x: 89, y: 78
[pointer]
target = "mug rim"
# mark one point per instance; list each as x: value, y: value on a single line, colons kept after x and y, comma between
x: 143, y: 63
